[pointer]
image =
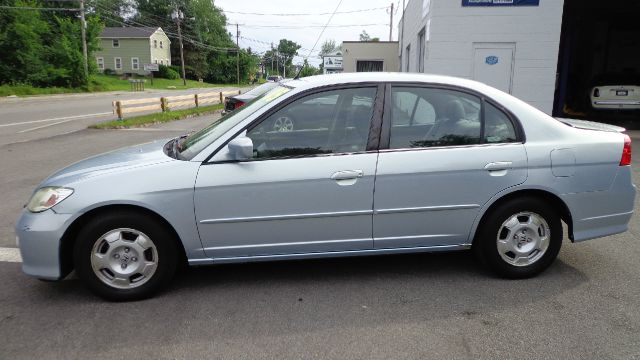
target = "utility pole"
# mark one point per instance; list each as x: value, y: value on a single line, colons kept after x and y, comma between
x: 238, y: 54
x: 272, y: 55
x: 391, y: 24
x: 177, y: 15
x: 284, y: 68
x: 83, y: 30
x: 402, y: 40
x: 278, y: 61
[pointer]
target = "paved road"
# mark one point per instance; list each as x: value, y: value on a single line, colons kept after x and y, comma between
x: 24, y: 119
x: 433, y: 306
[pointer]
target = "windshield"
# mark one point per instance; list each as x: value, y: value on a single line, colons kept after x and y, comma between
x: 191, y: 145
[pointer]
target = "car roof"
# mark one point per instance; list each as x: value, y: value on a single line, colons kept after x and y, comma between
x: 346, y: 78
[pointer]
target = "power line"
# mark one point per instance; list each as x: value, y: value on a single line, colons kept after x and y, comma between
x: 175, y: 36
x: 36, y: 8
x: 310, y: 26
x: 304, y: 14
x: 323, y: 29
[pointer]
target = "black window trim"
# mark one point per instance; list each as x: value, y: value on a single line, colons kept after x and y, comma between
x: 385, y: 137
x: 374, y: 128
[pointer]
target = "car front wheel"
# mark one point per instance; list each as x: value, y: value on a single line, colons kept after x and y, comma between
x: 520, y: 238
x: 125, y: 256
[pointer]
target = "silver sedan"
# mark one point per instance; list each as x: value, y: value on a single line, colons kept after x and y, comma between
x: 378, y: 164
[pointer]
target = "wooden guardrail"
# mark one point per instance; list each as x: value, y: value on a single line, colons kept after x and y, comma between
x: 168, y: 103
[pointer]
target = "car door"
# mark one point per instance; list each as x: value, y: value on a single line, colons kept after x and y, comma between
x: 444, y: 153
x: 306, y: 190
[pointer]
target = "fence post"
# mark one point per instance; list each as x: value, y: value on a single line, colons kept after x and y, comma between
x: 220, y: 97
x: 239, y: 92
x: 163, y: 104
x: 195, y: 97
x: 119, y: 110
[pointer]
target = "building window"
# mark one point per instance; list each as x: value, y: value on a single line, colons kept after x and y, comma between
x: 161, y: 46
x: 155, y: 44
x: 100, y: 61
x: 421, y: 47
x: 117, y: 62
x: 408, y: 58
x: 135, y: 63
x: 115, y: 43
x: 369, y: 65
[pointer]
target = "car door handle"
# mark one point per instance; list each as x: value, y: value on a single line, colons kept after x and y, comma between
x: 347, y: 174
x: 499, y: 165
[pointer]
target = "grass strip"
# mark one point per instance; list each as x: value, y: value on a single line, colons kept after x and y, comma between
x: 101, y: 82
x: 150, y: 119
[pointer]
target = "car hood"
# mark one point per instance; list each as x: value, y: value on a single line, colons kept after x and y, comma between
x: 591, y: 125
x: 118, y: 160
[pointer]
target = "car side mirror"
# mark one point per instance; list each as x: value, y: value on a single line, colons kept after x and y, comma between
x: 241, y: 148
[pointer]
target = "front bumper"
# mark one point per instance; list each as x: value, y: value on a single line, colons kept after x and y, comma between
x: 39, y: 236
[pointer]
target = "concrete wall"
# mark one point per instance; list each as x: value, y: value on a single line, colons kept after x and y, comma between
x: 387, y: 51
x: 451, y: 31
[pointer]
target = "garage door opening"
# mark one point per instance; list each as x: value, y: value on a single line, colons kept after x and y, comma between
x: 599, y: 47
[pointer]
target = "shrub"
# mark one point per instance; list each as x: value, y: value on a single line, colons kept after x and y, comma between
x: 168, y: 73
x: 108, y: 72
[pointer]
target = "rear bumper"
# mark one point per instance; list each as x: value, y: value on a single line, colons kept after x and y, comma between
x: 39, y: 238
x: 603, y: 213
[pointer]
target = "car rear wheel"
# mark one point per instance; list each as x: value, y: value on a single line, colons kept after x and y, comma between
x: 125, y: 256
x: 520, y: 238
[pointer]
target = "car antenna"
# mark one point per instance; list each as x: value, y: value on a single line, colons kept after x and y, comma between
x: 299, y: 71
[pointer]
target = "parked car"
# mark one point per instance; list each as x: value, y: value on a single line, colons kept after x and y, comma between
x: 234, y: 102
x: 616, y: 92
x: 275, y: 78
x: 455, y: 163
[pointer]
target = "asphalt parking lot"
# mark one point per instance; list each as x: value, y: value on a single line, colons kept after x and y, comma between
x: 428, y: 306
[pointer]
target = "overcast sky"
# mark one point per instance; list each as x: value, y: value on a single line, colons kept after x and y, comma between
x: 257, y: 31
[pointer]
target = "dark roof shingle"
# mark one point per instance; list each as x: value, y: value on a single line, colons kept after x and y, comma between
x: 128, y: 32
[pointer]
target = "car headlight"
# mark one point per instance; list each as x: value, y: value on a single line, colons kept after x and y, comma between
x: 47, y: 197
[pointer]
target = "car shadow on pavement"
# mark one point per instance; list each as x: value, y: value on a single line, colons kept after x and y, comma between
x: 233, y: 303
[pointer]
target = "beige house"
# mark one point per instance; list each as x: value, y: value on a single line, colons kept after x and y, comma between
x: 367, y: 56
x: 128, y: 49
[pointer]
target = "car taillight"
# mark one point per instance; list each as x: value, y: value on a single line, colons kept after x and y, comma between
x: 238, y: 104
x: 596, y: 92
x: 626, y: 151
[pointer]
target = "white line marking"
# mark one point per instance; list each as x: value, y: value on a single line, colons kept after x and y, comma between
x: 10, y: 255
x: 44, y: 126
x: 150, y: 129
x: 57, y: 119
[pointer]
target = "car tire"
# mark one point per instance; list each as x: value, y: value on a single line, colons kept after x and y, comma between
x: 125, y: 256
x: 520, y: 238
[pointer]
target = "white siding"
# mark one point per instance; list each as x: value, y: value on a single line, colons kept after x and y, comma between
x: 454, y: 29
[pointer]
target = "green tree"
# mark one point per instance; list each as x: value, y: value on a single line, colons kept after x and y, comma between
x: 21, y: 45
x: 287, y: 49
x: 309, y: 70
x: 44, y: 48
x: 328, y: 47
x: 364, y: 36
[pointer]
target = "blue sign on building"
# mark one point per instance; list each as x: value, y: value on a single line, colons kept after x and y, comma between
x: 491, y: 60
x: 500, y: 2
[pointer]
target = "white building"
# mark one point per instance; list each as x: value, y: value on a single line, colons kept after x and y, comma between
x: 545, y: 52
